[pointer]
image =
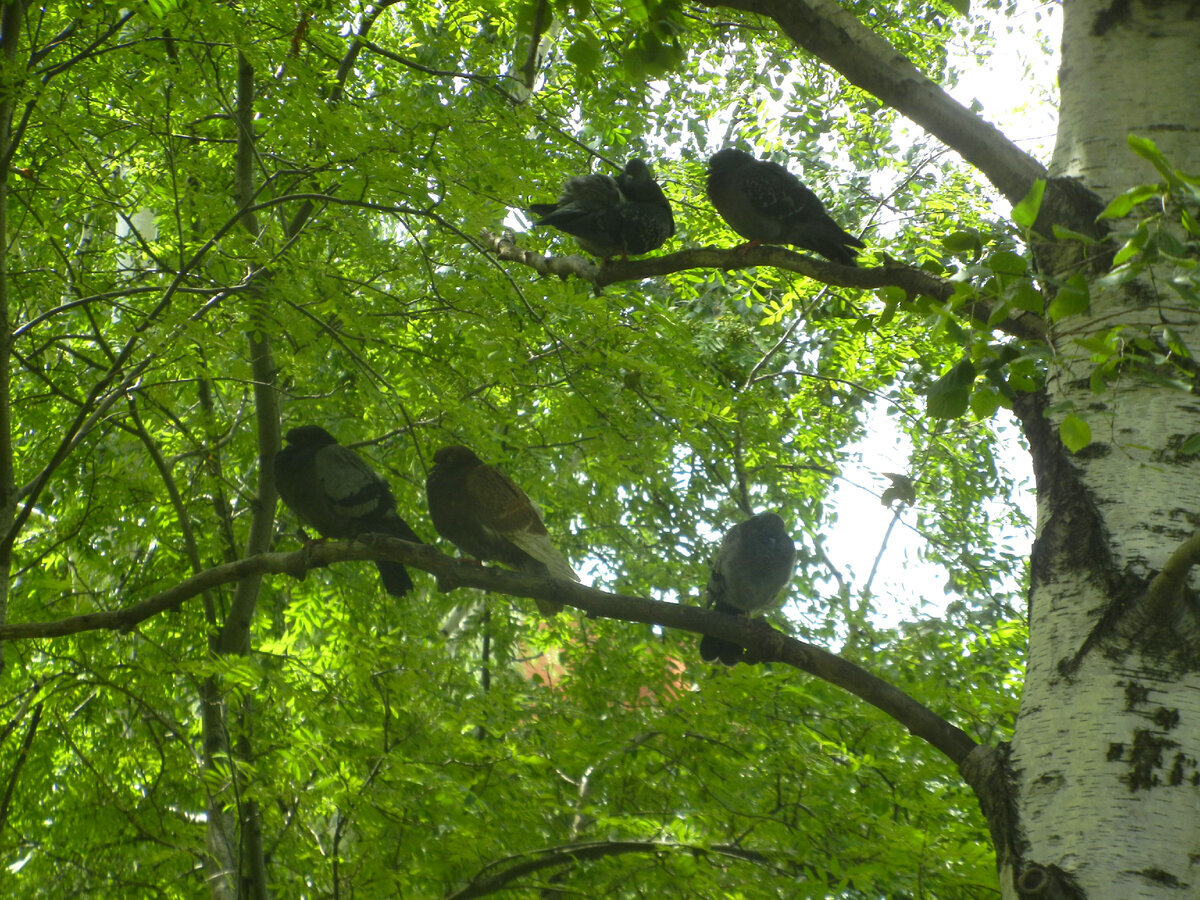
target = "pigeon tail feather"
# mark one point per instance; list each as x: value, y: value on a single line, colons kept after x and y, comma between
x: 395, y: 577
x: 539, y: 547
x: 548, y: 562
x: 713, y: 649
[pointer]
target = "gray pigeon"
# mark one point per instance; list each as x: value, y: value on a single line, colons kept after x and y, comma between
x: 331, y: 489
x: 622, y: 216
x: 482, y: 512
x: 766, y: 204
x: 754, y: 563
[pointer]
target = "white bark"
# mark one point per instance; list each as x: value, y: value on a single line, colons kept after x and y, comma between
x: 1140, y: 75
x: 1108, y: 784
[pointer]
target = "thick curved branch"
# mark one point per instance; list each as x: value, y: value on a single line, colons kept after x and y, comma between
x: 912, y: 281
x: 1170, y: 581
x: 573, y: 853
x: 765, y: 643
x: 837, y: 37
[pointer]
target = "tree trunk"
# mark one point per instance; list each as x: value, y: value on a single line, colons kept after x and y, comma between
x: 1105, y: 752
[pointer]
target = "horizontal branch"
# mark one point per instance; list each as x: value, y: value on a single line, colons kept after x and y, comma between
x: 766, y: 644
x: 569, y: 854
x: 914, y: 282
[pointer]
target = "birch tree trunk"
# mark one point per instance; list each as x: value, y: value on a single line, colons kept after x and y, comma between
x: 1105, y: 751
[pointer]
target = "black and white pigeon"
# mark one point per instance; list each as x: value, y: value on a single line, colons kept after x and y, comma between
x: 754, y: 563
x: 485, y: 514
x: 332, y: 489
x: 766, y: 204
x: 623, y: 216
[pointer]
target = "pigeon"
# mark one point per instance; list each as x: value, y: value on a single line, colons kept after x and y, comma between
x: 765, y: 203
x: 754, y: 563
x: 622, y: 216
x: 332, y: 489
x: 478, y: 509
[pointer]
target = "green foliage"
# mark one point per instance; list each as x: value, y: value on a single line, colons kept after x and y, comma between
x: 387, y: 758
x: 1026, y: 212
x: 1075, y: 432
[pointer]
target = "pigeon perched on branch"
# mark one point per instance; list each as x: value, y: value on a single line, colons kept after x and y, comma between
x: 753, y: 565
x: 482, y: 512
x: 330, y: 488
x: 621, y: 216
x: 766, y: 204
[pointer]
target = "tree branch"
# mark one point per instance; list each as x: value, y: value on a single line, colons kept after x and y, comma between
x: 1170, y: 580
x: 838, y: 38
x: 573, y: 853
x: 913, y: 281
x: 765, y: 643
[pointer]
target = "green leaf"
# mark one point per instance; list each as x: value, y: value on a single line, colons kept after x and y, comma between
x: 1122, y: 204
x: 1025, y: 213
x: 963, y: 242
x: 1175, y: 342
x: 1119, y: 276
x: 902, y: 490
x: 1072, y: 298
x: 1025, y: 296
x: 1075, y: 433
x: 949, y: 395
x: 1148, y: 150
x: 1066, y: 234
x: 584, y: 53
x: 1005, y: 262
x: 1096, y: 345
x: 1189, y: 221
x: 1190, y: 446
x: 985, y: 402
x: 1102, y: 375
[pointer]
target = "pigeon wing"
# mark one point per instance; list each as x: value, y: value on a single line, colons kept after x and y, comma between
x: 778, y: 194
x: 355, y: 494
x: 506, y: 511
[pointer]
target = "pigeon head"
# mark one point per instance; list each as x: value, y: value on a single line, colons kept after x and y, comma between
x: 456, y: 456
x: 728, y: 160
x: 310, y: 436
x: 766, y: 526
x: 637, y: 168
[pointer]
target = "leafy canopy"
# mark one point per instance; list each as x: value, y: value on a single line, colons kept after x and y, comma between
x: 386, y: 757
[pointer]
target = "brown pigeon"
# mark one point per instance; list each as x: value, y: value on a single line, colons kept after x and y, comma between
x: 478, y: 509
x: 622, y: 216
x: 754, y: 563
x: 766, y: 204
x: 331, y: 489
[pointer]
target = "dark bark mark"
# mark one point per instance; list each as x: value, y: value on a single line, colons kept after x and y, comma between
x: 1074, y: 536
x: 1146, y: 758
x: 1119, y: 13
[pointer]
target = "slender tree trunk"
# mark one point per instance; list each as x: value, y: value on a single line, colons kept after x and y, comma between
x: 237, y: 840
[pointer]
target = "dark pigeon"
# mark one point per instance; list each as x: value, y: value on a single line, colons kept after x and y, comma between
x: 766, y: 204
x: 482, y: 512
x: 623, y: 216
x: 330, y: 488
x: 753, y: 565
